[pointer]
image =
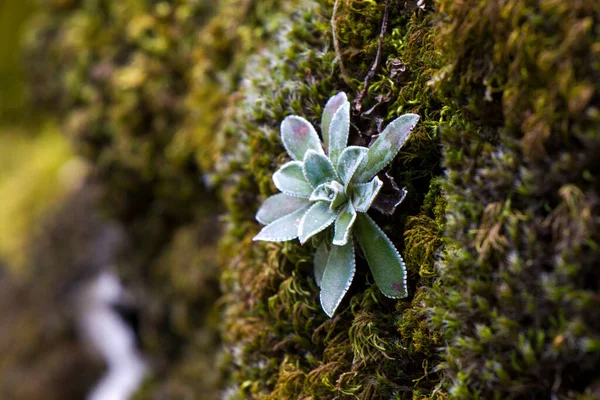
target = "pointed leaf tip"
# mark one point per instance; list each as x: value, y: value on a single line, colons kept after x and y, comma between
x: 282, y: 229
x: 333, y: 104
x: 339, y: 130
x: 387, y: 145
x: 277, y: 206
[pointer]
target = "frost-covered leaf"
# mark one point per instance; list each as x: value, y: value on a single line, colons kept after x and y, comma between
x: 278, y: 206
x: 364, y: 194
x: 284, y: 228
x: 290, y: 180
x: 387, y: 145
x: 349, y: 161
x: 343, y: 225
x: 318, y: 169
x: 317, y: 218
x: 320, y: 261
x: 299, y: 136
x: 338, y: 132
x: 339, y: 196
x: 323, y: 192
x: 384, y: 260
x: 333, y: 104
x: 337, y: 277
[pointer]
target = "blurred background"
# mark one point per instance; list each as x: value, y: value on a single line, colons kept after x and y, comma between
x: 69, y: 326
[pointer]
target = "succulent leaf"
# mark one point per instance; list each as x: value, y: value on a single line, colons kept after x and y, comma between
x: 364, y: 194
x: 338, y: 132
x: 290, y: 180
x: 333, y: 104
x: 299, y: 136
x: 320, y: 261
x: 349, y: 161
x: 277, y: 206
x: 323, y: 192
x: 318, y: 169
x: 338, y: 188
x: 317, y: 218
x: 282, y: 229
x: 337, y: 277
x: 339, y: 196
x: 384, y: 260
x: 343, y: 225
x: 387, y: 145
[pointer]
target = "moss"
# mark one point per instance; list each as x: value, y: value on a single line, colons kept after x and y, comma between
x: 278, y: 342
x: 162, y: 97
x: 118, y: 76
x: 519, y: 281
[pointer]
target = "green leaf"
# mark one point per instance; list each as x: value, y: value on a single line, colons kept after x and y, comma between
x: 363, y: 194
x: 349, y: 161
x: 318, y: 169
x: 320, y: 261
x: 278, y: 206
x: 284, y: 228
x: 338, y: 132
x: 299, y: 136
x: 323, y: 192
x: 290, y: 180
x: 384, y: 260
x: 387, y: 145
x: 337, y: 277
x: 317, y: 218
x: 339, y: 196
x: 343, y: 225
x: 333, y: 104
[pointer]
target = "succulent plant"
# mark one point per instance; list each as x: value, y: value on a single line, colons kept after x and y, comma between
x: 334, y: 189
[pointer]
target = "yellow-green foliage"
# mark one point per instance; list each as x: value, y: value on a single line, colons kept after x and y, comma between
x: 118, y: 74
x: 34, y: 177
x: 13, y: 14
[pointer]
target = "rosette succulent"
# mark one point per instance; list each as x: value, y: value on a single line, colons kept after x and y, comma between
x: 329, y: 186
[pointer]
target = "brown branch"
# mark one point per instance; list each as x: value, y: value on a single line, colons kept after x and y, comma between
x: 377, y: 62
x: 336, y: 45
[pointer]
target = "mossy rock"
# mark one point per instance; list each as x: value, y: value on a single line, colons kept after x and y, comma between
x: 498, y: 232
x: 519, y: 286
x: 279, y: 342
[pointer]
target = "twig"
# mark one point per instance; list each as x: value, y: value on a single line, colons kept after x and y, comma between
x: 377, y: 62
x: 336, y: 44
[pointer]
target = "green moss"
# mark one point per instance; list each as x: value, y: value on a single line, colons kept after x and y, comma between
x: 155, y: 95
x: 118, y: 75
x: 519, y: 278
x: 278, y: 342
